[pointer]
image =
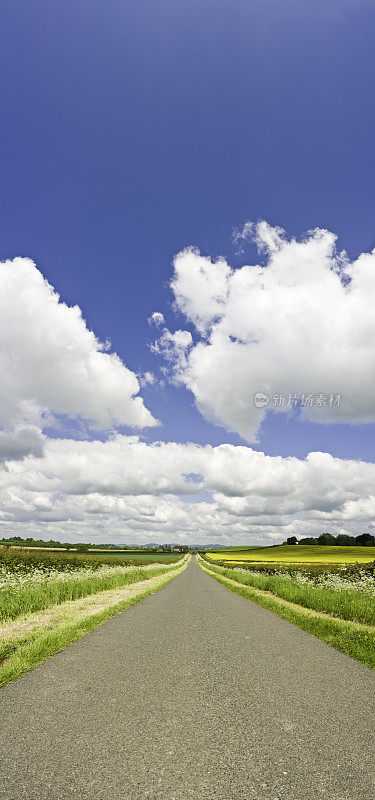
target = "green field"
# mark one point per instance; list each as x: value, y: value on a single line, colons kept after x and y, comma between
x: 297, y: 554
x: 17, y: 558
x: 130, y: 555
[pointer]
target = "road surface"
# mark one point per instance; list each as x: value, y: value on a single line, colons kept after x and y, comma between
x: 195, y: 693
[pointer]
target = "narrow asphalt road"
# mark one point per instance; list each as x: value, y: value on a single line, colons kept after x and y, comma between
x: 192, y: 693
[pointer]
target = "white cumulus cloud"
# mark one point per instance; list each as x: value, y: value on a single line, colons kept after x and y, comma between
x: 50, y: 362
x: 301, y: 324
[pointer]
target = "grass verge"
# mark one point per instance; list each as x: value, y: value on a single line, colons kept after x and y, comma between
x: 340, y: 598
x: 354, y: 639
x: 46, y: 591
x: 30, y: 640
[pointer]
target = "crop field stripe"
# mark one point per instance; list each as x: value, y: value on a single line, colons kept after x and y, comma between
x: 355, y: 639
x: 46, y: 644
x: 297, y: 554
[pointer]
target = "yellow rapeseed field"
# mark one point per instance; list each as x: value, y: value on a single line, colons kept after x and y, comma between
x: 297, y: 554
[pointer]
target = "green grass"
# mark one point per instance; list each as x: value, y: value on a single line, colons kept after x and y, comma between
x: 350, y: 604
x: 354, y: 638
x: 298, y: 554
x: 47, y: 643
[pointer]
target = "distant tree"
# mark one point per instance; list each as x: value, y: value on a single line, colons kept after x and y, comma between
x: 326, y: 539
x: 308, y: 540
x: 292, y: 540
x: 365, y: 539
x: 82, y: 547
x: 344, y: 540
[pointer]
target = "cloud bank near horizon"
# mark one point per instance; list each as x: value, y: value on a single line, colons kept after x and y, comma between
x: 126, y: 490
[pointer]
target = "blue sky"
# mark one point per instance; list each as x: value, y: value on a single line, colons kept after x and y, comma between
x: 132, y: 130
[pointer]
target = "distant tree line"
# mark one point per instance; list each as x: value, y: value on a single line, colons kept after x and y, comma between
x: 341, y: 540
x: 80, y: 547
x: 83, y: 547
x: 30, y: 542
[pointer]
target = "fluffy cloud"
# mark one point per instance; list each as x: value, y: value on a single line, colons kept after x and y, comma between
x: 301, y: 324
x: 200, y: 287
x: 174, y: 348
x: 127, y: 489
x: 156, y: 319
x: 51, y: 362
